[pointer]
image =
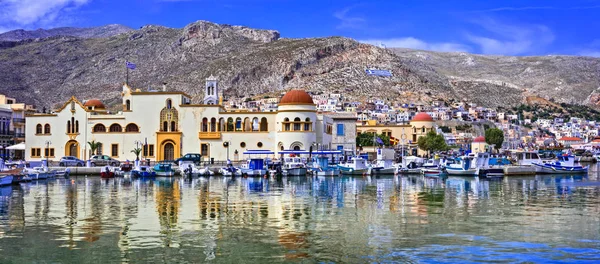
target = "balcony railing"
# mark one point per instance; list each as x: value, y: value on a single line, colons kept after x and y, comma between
x: 19, y: 120
x: 209, y: 135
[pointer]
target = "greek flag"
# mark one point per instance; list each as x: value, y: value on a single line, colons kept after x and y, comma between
x: 379, y: 141
x: 130, y: 65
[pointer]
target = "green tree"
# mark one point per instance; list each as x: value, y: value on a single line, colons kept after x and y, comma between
x: 367, y: 139
x: 494, y: 136
x: 432, y: 142
x: 137, y: 152
x: 94, y: 145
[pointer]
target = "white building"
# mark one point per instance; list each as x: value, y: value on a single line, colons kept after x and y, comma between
x: 166, y: 125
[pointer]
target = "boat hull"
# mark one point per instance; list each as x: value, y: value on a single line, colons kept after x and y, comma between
x: 380, y: 171
x: 431, y: 172
x: 492, y: 172
x: 557, y: 169
x: 165, y: 173
x: 463, y: 172
x: 6, y: 180
x: 247, y: 172
x: 296, y: 172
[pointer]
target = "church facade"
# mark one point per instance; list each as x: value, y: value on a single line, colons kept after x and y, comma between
x: 166, y: 125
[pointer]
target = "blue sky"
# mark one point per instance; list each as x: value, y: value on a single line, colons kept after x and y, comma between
x: 486, y: 27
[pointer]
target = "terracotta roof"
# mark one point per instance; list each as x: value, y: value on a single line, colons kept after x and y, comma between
x: 97, y: 104
x: 570, y: 139
x: 296, y: 97
x: 479, y: 139
x: 422, y: 117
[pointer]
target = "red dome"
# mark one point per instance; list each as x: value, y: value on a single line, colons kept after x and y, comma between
x: 296, y: 97
x: 97, y: 104
x: 425, y: 117
x: 479, y: 139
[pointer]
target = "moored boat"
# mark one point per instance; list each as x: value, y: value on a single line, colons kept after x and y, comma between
x: 294, y: 166
x: 356, y: 166
x: 164, y: 169
x: 143, y: 172
x: 522, y: 163
x: 6, y: 180
x: 562, y: 164
x: 463, y: 166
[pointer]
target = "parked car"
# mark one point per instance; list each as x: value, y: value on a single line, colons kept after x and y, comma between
x: 193, y: 157
x: 103, y: 160
x: 70, y: 161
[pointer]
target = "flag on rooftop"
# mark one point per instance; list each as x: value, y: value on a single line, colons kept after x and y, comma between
x: 130, y: 65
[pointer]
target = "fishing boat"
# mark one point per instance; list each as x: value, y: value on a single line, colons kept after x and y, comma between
x: 230, y: 171
x: 523, y: 163
x: 294, y: 166
x: 106, y: 172
x: 410, y: 165
x: 143, y: 172
x: 463, y: 166
x: 321, y: 167
x: 562, y: 164
x: 489, y: 167
x: 189, y: 169
x: 164, y: 168
x: 255, y: 166
x: 356, y: 166
x: 432, y: 171
x: 384, y: 164
x: 38, y: 173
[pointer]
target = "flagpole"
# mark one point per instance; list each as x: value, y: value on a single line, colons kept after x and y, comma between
x: 127, y: 74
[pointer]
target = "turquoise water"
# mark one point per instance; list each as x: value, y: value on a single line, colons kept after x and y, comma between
x: 299, y: 219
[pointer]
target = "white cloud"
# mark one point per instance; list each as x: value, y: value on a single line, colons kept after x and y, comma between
x: 510, y: 39
x: 24, y: 13
x: 414, y: 43
x: 347, y: 20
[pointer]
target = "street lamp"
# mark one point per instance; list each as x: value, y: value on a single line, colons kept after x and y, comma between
x: 48, y: 142
x: 226, y: 144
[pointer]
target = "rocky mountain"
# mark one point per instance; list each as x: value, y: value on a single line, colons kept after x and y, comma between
x: 567, y: 79
x: 46, y: 71
x: 93, y: 32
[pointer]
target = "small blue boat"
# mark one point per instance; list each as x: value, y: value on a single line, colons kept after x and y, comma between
x: 143, y: 172
x: 164, y: 169
x: 321, y: 167
x: 562, y: 164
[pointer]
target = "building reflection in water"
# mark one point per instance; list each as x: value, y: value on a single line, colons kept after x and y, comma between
x: 168, y: 199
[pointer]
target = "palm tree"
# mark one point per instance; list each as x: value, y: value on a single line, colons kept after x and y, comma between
x: 137, y: 152
x: 93, y: 146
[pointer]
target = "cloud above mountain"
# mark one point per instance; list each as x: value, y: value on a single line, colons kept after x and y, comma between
x: 27, y: 13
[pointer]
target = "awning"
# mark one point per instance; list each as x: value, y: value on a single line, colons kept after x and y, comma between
x: 20, y: 146
x: 258, y: 151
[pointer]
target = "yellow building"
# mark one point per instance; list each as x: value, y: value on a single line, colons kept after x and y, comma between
x: 406, y: 135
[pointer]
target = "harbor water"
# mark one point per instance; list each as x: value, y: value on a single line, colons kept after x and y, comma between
x: 543, y: 218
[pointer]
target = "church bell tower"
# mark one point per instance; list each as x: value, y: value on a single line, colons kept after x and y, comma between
x: 211, y: 91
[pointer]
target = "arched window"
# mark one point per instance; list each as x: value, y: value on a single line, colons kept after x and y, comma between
x: 286, y: 124
x: 255, y: 124
x: 264, y: 124
x: 238, y: 124
x: 169, y: 104
x: 222, y: 124
x: 204, y: 125
x: 230, y: 124
x: 307, y: 125
x: 99, y: 128
x: 47, y: 129
x: 115, y: 128
x: 165, y: 127
x: 68, y: 126
x: 128, y: 105
x: 297, y: 124
x: 173, y: 126
x: 213, y: 125
x: 38, y: 129
x: 132, y: 128
x: 76, y: 126
x: 247, y: 124
x: 72, y: 125
x: 169, y: 116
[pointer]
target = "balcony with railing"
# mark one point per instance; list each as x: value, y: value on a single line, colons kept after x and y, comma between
x: 209, y: 135
x: 19, y: 120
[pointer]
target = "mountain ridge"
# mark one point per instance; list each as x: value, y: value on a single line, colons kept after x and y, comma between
x: 45, y: 71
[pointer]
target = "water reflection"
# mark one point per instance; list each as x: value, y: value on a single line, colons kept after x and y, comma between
x: 313, y: 219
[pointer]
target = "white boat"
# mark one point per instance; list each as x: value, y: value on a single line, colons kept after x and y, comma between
x: 523, y: 163
x: 294, y: 166
x: 562, y: 164
x: 486, y: 169
x: 410, y: 165
x: 189, y: 169
x: 384, y: 163
x: 230, y: 171
x: 39, y: 173
x: 465, y: 166
x: 356, y: 166
x: 254, y: 167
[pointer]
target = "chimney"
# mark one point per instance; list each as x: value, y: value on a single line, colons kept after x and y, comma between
x: 164, y: 87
